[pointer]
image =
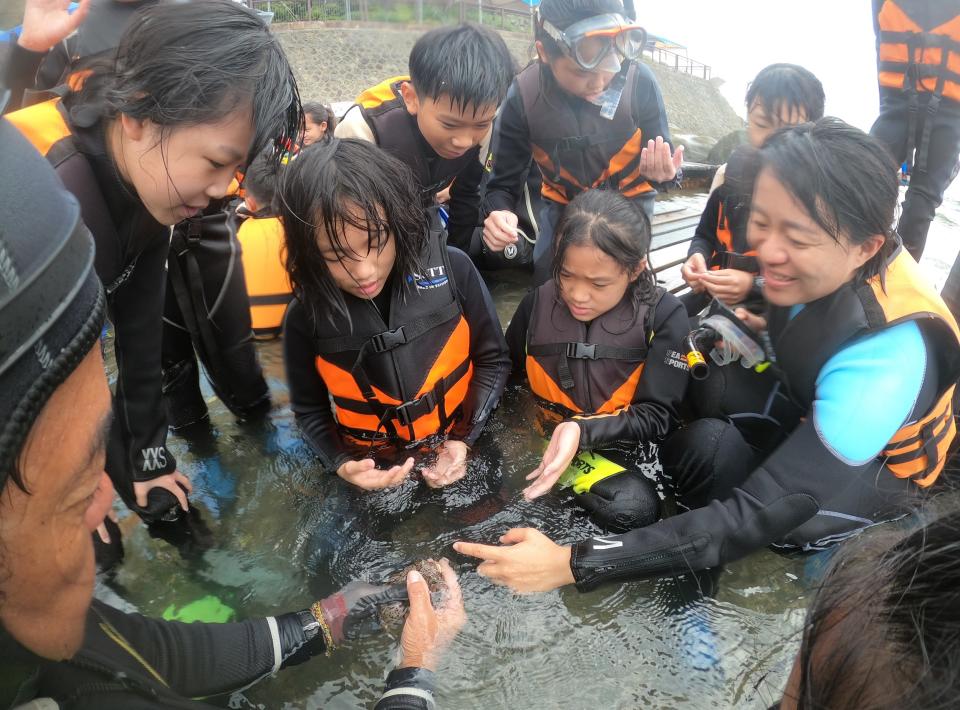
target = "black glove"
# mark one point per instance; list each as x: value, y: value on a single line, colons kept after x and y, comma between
x: 621, y: 502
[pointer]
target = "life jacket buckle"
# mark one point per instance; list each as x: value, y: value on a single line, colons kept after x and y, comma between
x: 194, y: 231
x: 388, y: 340
x: 408, y: 412
x: 582, y: 351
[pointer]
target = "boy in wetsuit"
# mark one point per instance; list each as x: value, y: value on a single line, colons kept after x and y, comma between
x: 719, y: 262
x: 437, y: 120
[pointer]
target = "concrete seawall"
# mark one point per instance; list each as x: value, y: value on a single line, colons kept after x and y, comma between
x: 335, y: 63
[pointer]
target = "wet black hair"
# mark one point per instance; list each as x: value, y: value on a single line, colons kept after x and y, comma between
x: 844, y: 179
x: 617, y: 227
x: 563, y: 13
x: 789, y: 86
x: 883, y: 630
x: 318, y: 113
x: 320, y: 192
x: 260, y: 180
x: 189, y: 63
x: 469, y: 64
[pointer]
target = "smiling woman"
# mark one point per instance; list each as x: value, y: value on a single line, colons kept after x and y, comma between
x: 147, y: 138
x: 866, y: 357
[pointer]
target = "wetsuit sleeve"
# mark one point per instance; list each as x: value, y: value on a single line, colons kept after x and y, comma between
x: 408, y: 689
x: 19, y: 73
x: 136, y: 309
x: 517, y: 334
x: 788, y: 489
x: 510, y: 146
x: 199, y: 659
x: 653, y: 412
x: 866, y: 382
x: 465, y: 204
x: 705, y: 239
x: 488, y: 349
x: 309, y: 397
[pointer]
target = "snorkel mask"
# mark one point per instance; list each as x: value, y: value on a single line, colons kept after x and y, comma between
x: 602, y: 42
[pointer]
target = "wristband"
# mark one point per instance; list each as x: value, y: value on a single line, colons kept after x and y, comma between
x: 317, y: 611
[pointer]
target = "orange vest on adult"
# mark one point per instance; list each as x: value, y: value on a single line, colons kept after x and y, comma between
x: 405, y: 379
x: 586, y: 368
x: 804, y: 343
x: 268, y: 284
x: 921, y: 42
x: 577, y: 149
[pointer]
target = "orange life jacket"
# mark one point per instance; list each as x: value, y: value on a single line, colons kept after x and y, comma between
x: 581, y: 368
x: 732, y: 253
x: 803, y: 344
x: 268, y: 284
x: 912, y: 56
x: 407, y: 379
x: 578, y: 150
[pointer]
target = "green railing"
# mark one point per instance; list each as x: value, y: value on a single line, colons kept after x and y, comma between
x: 398, y: 11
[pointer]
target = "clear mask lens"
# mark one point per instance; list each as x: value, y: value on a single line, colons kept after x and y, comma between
x: 630, y: 43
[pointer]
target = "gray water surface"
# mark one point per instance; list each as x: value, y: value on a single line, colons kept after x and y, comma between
x: 277, y: 533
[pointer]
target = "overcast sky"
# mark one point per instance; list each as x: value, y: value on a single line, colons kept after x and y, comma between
x: 737, y: 38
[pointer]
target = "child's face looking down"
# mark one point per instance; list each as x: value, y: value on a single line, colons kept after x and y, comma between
x: 762, y: 123
x: 362, y: 263
x: 584, y: 84
x: 449, y: 128
x: 592, y: 282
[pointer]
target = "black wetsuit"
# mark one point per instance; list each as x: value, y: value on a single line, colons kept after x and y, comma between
x: 513, y: 154
x: 131, y: 253
x: 130, y: 661
x: 309, y: 397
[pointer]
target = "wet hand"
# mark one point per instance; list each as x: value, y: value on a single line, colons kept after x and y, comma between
x: 562, y: 448
x: 656, y: 162
x: 427, y: 631
x: 46, y: 23
x: 366, y: 475
x: 352, y: 612
x: 499, y: 230
x: 756, y: 323
x: 729, y: 285
x: 176, y: 483
x: 529, y: 562
x: 450, y: 466
x: 691, y: 271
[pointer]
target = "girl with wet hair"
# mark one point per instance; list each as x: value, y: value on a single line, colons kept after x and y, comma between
x: 146, y: 138
x: 598, y: 344
x: 391, y: 326
x: 319, y: 122
x: 883, y: 627
x: 866, y: 357
x: 588, y: 112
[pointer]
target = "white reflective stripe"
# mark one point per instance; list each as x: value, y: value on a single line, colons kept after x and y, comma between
x: 275, y: 637
x: 425, y: 694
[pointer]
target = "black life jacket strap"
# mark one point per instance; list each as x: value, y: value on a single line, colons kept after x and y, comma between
x: 389, y: 339
x: 933, y: 105
x: 408, y: 412
x: 583, y: 351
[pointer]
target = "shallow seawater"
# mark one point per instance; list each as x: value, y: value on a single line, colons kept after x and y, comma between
x: 271, y: 533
